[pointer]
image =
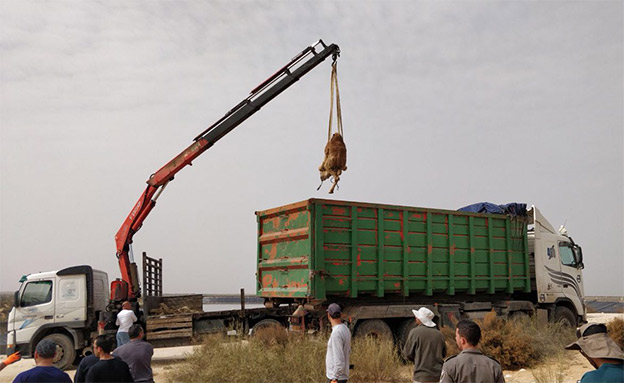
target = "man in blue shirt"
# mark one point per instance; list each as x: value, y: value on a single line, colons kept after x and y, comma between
x: 601, y: 351
x: 44, y: 371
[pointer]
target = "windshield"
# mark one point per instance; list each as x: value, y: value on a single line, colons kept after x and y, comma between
x: 36, y: 293
x: 567, y: 254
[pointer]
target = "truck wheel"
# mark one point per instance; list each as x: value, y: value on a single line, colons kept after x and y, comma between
x: 65, y: 352
x: 375, y: 328
x: 565, y: 316
x: 403, y: 331
x: 519, y: 316
x: 265, y: 324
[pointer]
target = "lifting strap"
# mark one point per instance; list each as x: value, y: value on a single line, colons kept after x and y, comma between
x: 335, y: 160
x: 336, y: 90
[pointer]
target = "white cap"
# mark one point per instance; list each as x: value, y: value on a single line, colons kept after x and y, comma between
x: 425, y: 316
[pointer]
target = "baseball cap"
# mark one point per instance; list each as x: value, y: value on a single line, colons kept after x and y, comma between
x: 334, y: 309
x: 425, y: 316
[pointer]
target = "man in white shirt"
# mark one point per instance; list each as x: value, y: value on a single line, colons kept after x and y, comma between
x: 125, y: 319
x: 338, y: 347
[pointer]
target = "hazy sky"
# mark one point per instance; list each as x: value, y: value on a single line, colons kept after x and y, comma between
x: 444, y: 104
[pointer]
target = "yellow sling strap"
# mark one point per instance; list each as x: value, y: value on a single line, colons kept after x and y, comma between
x: 334, y: 90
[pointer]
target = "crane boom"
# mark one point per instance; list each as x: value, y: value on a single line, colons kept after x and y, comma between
x: 301, y: 64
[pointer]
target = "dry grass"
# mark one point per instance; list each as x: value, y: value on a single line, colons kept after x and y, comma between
x: 516, y: 344
x: 274, y: 355
x: 615, y: 329
x: 551, y: 372
x: 375, y: 361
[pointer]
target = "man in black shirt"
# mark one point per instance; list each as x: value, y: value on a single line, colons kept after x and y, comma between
x: 83, y: 368
x: 108, y: 368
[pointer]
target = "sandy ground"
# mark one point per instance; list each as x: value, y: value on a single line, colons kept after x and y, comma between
x: 571, y: 365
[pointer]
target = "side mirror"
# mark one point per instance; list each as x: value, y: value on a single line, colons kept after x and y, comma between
x: 16, y: 299
x: 578, y: 253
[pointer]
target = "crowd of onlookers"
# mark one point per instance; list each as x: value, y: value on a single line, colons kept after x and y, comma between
x: 426, y: 348
x: 130, y: 362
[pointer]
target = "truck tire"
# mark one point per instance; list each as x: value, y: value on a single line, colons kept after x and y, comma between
x: 65, y: 352
x: 565, y: 316
x: 403, y: 331
x: 519, y: 316
x: 265, y: 324
x: 375, y: 328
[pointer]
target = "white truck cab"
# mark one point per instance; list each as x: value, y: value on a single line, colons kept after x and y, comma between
x: 558, y: 265
x: 61, y: 305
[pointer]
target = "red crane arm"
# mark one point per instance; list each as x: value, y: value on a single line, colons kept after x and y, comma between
x: 301, y: 64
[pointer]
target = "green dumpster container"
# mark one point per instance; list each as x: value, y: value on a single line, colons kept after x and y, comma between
x: 316, y: 249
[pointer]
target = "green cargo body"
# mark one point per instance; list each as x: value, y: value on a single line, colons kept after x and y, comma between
x: 317, y: 249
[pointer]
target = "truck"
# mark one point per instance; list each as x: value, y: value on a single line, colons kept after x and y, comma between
x: 377, y: 261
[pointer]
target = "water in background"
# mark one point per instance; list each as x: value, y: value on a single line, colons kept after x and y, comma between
x: 229, y: 306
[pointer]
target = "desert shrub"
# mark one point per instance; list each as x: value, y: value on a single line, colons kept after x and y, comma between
x: 550, y: 339
x: 615, y: 329
x: 507, y: 342
x: 286, y: 358
x: 451, y: 345
x: 518, y: 343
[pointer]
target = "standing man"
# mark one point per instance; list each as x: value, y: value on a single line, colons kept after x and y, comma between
x: 426, y: 347
x: 138, y: 354
x: 84, y: 366
x: 125, y: 319
x: 45, y: 370
x: 470, y: 365
x: 338, y: 347
x: 107, y: 369
x: 601, y: 351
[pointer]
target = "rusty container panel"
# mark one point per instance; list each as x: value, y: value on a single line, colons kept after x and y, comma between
x: 316, y: 249
x: 284, y: 252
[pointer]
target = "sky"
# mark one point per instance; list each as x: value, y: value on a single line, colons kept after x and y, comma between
x: 444, y: 104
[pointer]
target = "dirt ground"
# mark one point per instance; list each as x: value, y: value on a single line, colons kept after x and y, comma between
x: 570, y: 363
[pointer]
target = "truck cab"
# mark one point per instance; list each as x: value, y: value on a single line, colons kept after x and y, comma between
x: 59, y: 305
x: 558, y: 271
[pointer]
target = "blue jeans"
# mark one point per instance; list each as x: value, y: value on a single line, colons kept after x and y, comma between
x: 122, y: 338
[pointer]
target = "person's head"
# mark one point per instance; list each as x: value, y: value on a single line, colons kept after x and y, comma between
x: 424, y: 316
x: 596, y: 346
x: 126, y: 305
x: 135, y: 331
x: 467, y: 334
x: 103, y: 345
x: 334, y: 312
x: 45, y: 352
